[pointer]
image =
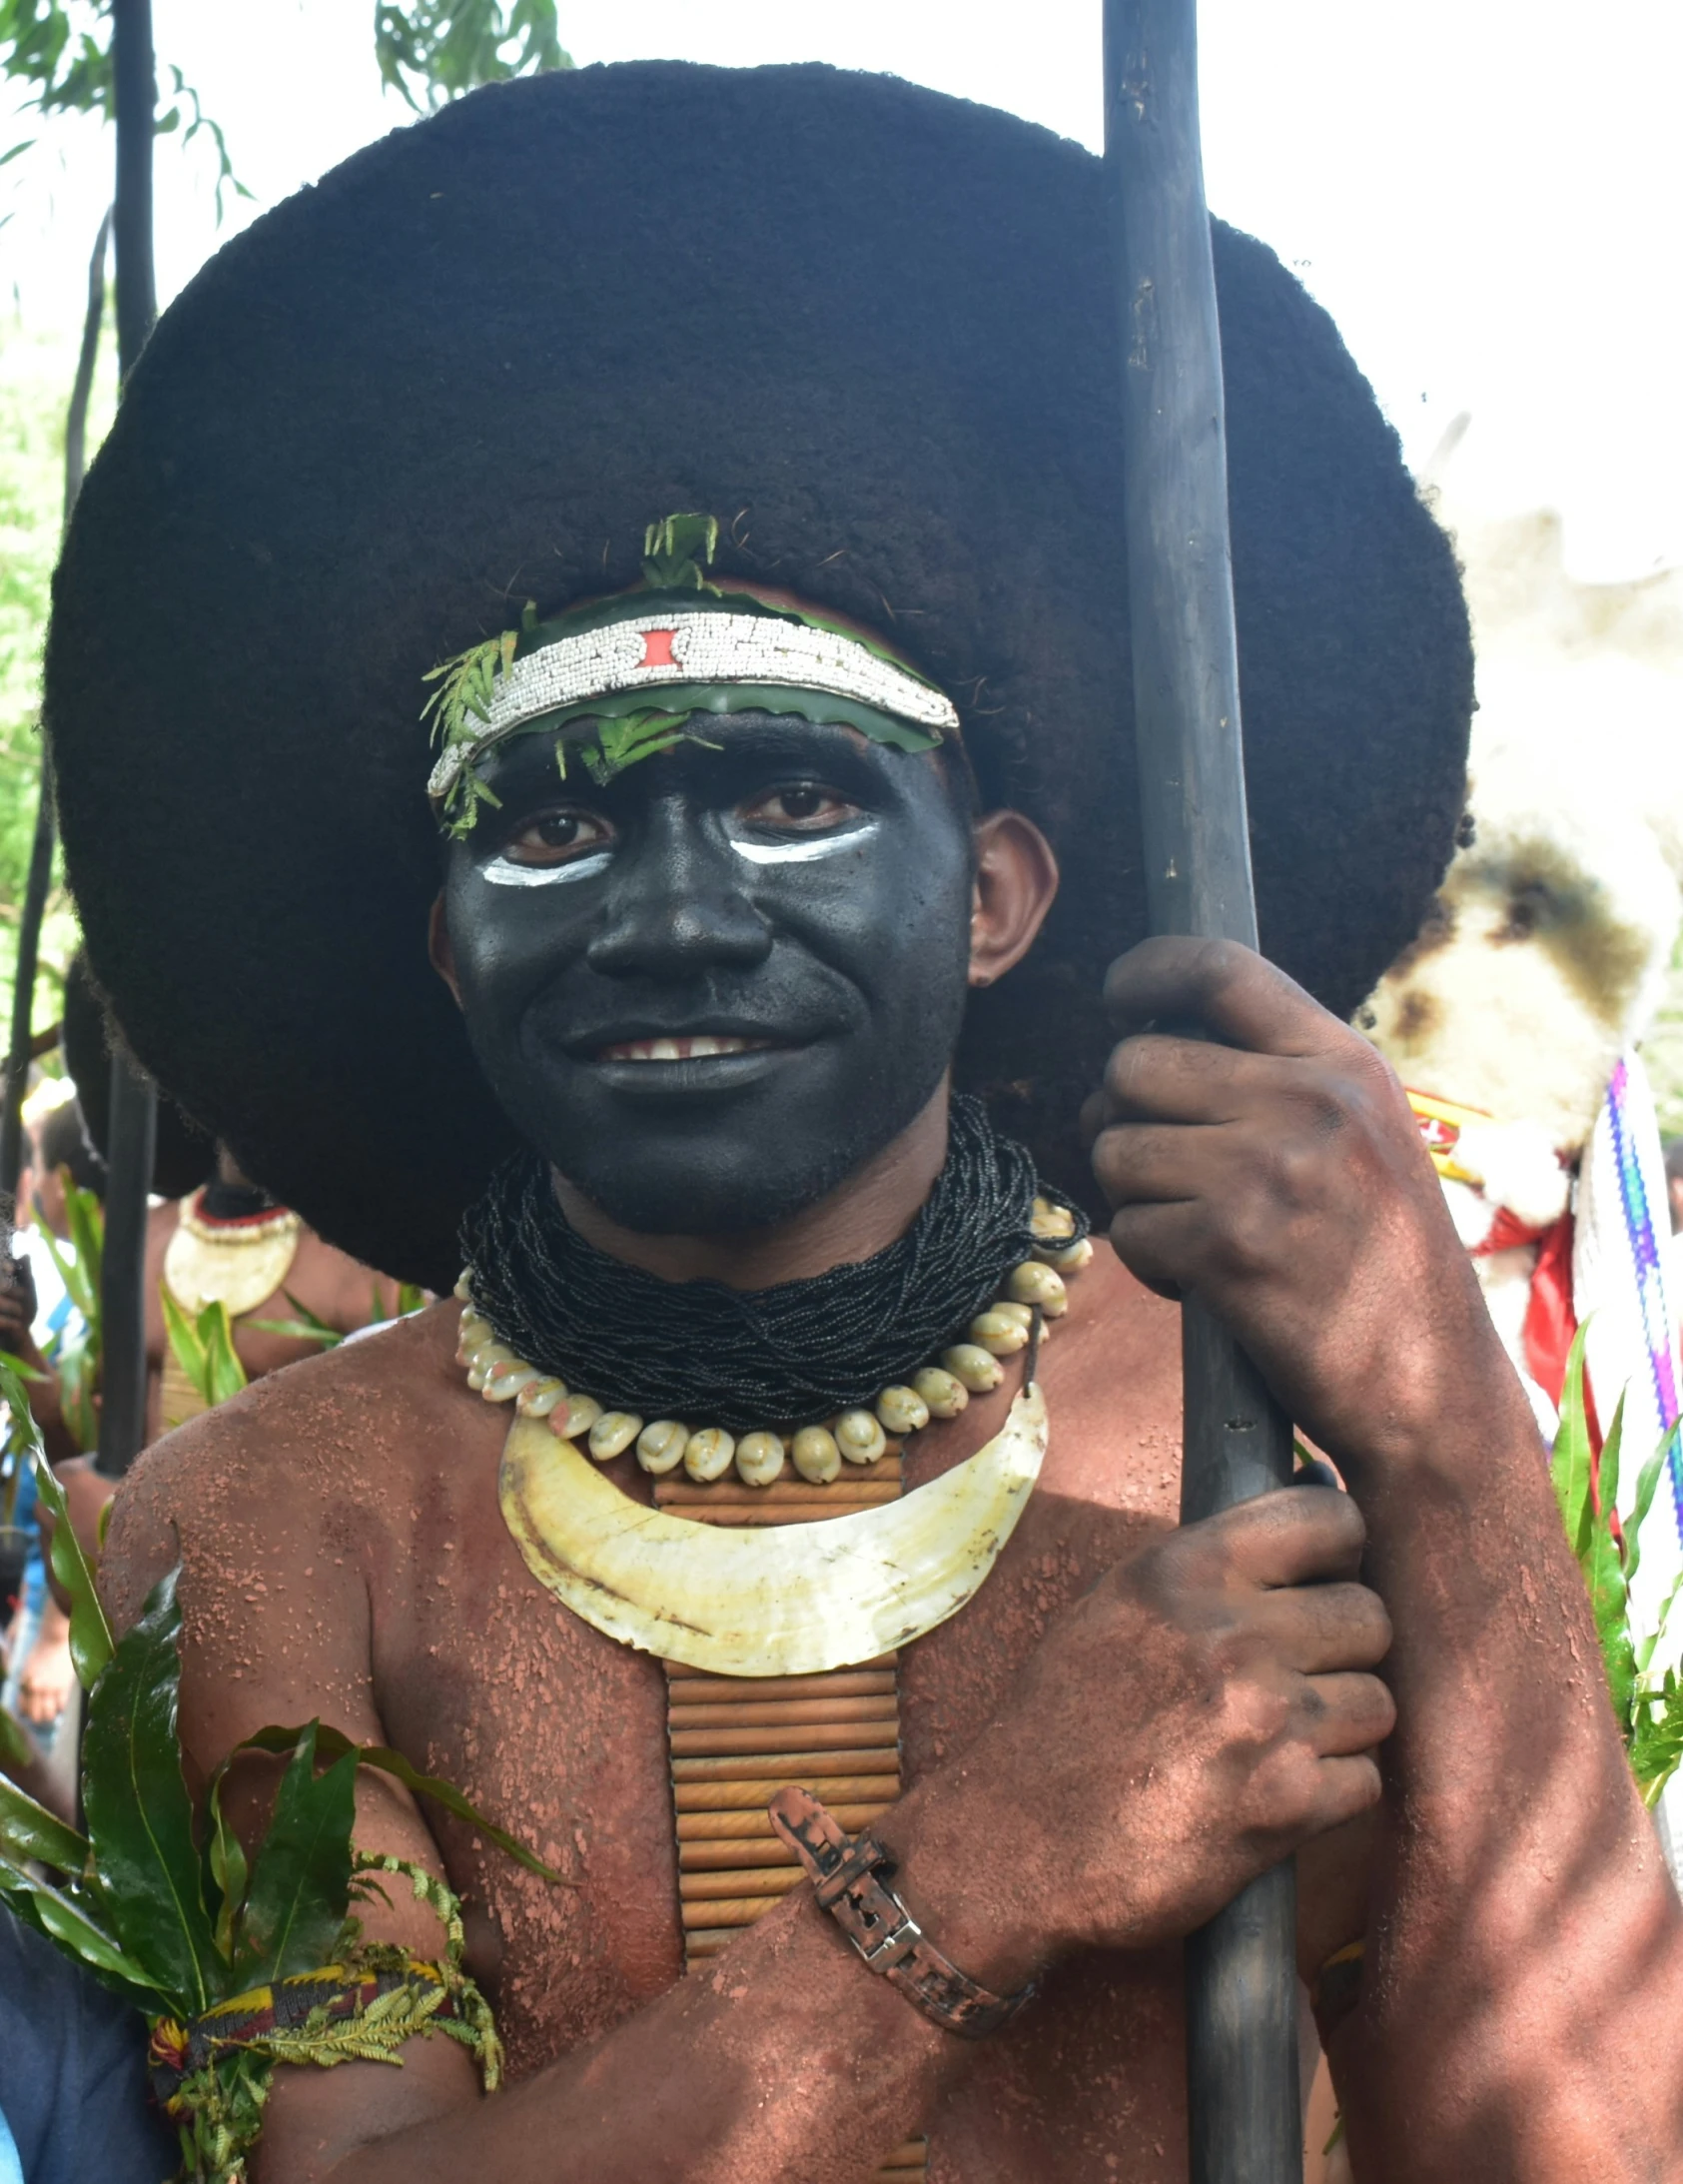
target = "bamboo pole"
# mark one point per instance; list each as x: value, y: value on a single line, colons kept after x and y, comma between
x: 1242, y: 2045
x: 133, y: 1133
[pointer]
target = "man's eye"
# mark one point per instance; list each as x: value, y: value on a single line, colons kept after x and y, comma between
x: 803, y: 805
x: 556, y: 836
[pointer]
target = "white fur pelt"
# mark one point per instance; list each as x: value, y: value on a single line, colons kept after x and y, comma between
x: 1546, y: 951
x: 1547, y: 947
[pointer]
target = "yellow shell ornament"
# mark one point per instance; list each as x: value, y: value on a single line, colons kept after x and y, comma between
x: 755, y: 1602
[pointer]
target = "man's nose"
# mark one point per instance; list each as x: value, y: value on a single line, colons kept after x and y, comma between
x: 677, y: 906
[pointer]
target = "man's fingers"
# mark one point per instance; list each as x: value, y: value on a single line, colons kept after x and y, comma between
x: 1155, y: 1077
x: 1346, y: 1789
x: 1157, y: 1243
x: 1230, y: 991
x: 1155, y: 1162
x: 1350, y: 1713
x: 1299, y: 1535
x: 1321, y: 1628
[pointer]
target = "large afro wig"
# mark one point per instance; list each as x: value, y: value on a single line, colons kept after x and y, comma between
x: 869, y: 328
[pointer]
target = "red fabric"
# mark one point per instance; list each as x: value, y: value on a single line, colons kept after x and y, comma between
x: 1550, y: 1322
x: 1509, y: 1232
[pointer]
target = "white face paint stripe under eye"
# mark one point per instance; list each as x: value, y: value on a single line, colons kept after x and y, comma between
x: 504, y: 872
x: 800, y: 852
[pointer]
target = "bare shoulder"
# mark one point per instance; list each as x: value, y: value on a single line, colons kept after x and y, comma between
x: 288, y: 1464
x: 1112, y: 1373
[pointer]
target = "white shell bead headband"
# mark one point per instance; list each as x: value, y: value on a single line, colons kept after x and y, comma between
x: 671, y: 645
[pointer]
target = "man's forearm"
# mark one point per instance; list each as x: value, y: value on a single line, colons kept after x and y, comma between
x: 1524, y: 1937
x: 783, y: 2058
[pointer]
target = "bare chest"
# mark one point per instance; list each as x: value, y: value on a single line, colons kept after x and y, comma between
x: 562, y: 1737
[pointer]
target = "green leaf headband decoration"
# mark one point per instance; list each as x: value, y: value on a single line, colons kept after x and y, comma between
x: 635, y: 671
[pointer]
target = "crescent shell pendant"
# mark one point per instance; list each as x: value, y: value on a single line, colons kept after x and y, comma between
x: 791, y: 1600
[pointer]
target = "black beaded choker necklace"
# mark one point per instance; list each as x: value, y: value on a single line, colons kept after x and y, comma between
x: 795, y: 1354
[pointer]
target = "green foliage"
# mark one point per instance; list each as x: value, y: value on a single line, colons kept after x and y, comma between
x: 61, y: 53
x: 204, y: 1349
x: 76, y: 1357
x: 140, y: 1816
x: 678, y: 551
x: 333, y: 1745
x: 91, y: 1643
x: 35, y: 380
x: 178, y: 1925
x: 619, y: 743
x: 301, y: 1877
x: 306, y: 1326
x: 1649, y: 1707
x: 430, y: 51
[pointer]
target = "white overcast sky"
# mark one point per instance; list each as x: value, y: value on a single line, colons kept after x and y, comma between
x: 1485, y: 193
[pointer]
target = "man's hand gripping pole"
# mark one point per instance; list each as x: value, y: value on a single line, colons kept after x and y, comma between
x: 1241, y: 2044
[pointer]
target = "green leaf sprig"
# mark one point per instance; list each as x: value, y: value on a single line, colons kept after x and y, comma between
x: 76, y: 1357
x: 172, y: 1914
x: 204, y: 1347
x: 1648, y: 1704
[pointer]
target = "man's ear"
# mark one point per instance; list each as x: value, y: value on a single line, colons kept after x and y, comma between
x: 1015, y: 884
x: 440, y: 950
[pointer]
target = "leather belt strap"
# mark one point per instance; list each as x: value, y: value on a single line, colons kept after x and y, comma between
x: 851, y: 1876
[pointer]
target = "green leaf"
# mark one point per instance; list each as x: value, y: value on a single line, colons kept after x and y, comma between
x: 185, y: 1341
x: 204, y: 1349
x: 140, y: 1817
x: 1647, y: 1480
x: 50, y: 1911
x: 297, y: 1331
x: 1572, y: 1462
x: 1646, y: 1652
x: 225, y: 1855
x: 29, y: 1830
x: 17, y: 1746
x: 301, y: 1877
x: 224, y: 1375
x: 334, y: 1744
x: 432, y: 50
x: 1605, y: 1574
x: 1657, y: 1745
x: 90, y: 1633
x: 676, y: 552
x: 324, y: 1333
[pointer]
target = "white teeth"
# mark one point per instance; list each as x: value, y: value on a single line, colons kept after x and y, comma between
x: 698, y: 1048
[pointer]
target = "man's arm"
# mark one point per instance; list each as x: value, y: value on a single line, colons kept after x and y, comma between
x: 1525, y: 1943
x: 1186, y: 1723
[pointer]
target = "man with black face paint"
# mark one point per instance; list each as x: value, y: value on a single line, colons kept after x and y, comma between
x: 778, y: 1533
x: 789, y: 900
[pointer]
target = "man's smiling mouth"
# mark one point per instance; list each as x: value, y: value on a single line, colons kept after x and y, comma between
x: 700, y: 1046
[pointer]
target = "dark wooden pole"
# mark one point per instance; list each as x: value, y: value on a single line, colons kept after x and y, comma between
x: 134, y: 1112
x: 1241, y: 2041
x: 23, y: 994
x: 41, y: 852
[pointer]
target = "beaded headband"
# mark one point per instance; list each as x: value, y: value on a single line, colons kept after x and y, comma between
x: 635, y: 671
